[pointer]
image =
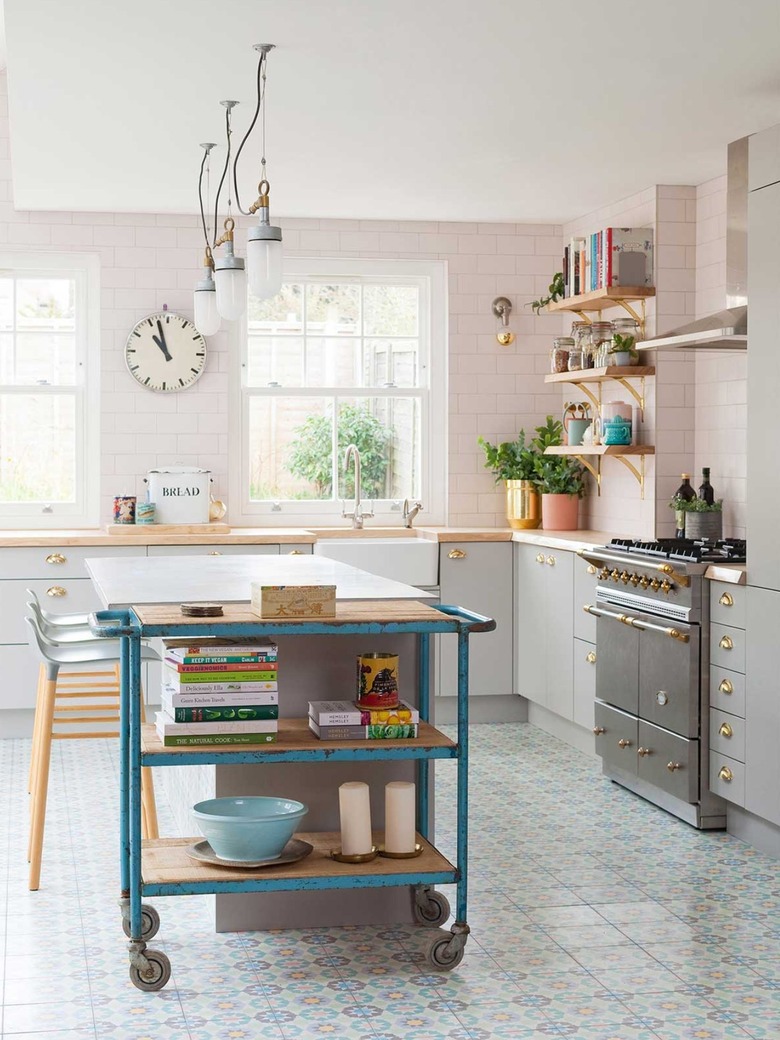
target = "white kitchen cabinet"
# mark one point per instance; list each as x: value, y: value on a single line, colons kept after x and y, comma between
x: 478, y: 576
x: 585, y: 582
x: 762, y: 704
x: 213, y: 550
x: 544, y: 627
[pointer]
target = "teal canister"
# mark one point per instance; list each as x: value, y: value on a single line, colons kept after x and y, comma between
x: 616, y: 431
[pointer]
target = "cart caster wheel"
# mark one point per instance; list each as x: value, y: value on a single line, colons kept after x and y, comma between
x: 431, y: 908
x: 157, y: 975
x: 445, y: 952
x: 150, y: 923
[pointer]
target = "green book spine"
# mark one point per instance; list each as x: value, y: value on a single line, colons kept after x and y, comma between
x: 227, y: 659
x: 223, y: 677
x: 219, y: 739
x: 237, y: 713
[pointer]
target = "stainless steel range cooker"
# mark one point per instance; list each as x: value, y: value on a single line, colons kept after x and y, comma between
x: 652, y: 669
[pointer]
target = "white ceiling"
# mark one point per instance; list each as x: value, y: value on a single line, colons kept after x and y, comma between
x: 417, y: 109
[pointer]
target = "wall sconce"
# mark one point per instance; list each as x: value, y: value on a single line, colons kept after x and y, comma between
x: 502, y: 308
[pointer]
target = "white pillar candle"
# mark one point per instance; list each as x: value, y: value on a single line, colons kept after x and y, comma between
x: 355, y: 813
x: 400, y: 811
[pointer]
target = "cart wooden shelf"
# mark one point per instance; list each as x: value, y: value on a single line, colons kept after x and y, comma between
x: 162, y: 867
x: 622, y: 452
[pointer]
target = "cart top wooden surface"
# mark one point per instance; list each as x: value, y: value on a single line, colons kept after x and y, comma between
x: 380, y: 611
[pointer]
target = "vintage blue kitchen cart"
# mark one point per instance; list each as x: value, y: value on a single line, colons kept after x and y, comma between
x: 162, y: 866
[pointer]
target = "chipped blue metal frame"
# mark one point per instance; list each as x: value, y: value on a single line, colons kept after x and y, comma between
x: 126, y: 626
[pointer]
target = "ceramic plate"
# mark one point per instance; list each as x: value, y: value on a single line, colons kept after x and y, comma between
x: 294, y: 850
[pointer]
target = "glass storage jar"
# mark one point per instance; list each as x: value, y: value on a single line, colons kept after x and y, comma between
x: 577, y: 359
x: 625, y: 327
x: 580, y: 331
x: 559, y: 355
x: 601, y: 341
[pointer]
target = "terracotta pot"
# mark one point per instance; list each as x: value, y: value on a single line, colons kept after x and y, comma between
x: 522, y: 504
x: 560, y: 512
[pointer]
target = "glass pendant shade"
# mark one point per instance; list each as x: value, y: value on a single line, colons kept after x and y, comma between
x: 231, y: 290
x: 264, y: 267
x: 206, y: 315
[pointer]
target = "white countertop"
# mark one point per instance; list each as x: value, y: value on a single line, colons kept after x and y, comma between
x: 121, y: 582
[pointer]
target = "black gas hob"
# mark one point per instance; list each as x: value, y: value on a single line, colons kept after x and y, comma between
x: 731, y: 550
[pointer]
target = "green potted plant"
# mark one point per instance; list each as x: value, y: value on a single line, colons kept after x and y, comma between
x: 556, y: 290
x: 702, y: 520
x: 560, y: 479
x: 622, y: 350
x: 514, y: 463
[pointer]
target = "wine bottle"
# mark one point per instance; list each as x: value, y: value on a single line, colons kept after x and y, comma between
x: 706, y: 491
x: 685, y: 492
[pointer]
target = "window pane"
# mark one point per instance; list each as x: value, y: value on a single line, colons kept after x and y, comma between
x: 391, y: 310
x: 279, y: 314
x: 390, y: 361
x: 37, y: 448
x: 275, y: 359
x: 47, y: 357
x: 386, y: 431
x: 332, y: 310
x: 46, y: 303
x: 333, y: 362
x: 290, y: 448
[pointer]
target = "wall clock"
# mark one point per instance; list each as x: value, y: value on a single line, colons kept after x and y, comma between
x: 165, y: 352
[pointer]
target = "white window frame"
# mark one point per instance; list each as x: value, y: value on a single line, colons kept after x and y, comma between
x: 432, y: 279
x: 84, y: 269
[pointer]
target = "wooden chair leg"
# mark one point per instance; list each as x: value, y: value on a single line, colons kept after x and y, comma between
x: 41, y: 787
x: 36, y: 726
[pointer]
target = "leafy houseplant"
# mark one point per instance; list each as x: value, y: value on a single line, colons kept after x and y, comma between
x: 556, y: 290
x: 560, y: 479
x: 622, y: 349
x: 699, y: 518
x: 514, y: 462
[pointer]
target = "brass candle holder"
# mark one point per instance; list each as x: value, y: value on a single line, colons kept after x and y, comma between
x: 363, y: 857
x: 418, y: 851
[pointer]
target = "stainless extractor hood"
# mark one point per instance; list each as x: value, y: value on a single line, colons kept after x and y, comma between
x: 726, y: 329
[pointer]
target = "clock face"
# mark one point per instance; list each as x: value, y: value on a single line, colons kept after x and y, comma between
x: 165, y: 352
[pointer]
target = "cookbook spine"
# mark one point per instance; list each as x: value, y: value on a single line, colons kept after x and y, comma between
x: 239, y: 713
x: 218, y: 739
x: 221, y: 693
x: 238, y: 666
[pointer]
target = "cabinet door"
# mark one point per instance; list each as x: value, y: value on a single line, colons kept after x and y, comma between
x: 584, y: 592
x: 584, y: 682
x: 762, y: 705
x: 529, y: 622
x: 478, y: 576
x: 763, y: 366
x: 559, y: 626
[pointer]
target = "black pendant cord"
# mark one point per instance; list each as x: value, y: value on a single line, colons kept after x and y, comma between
x: 224, y: 174
x: 200, y: 198
x: 258, y: 106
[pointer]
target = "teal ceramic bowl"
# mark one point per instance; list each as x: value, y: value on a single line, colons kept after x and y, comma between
x: 246, y: 829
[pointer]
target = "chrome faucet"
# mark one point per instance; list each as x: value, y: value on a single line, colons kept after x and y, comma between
x: 410, y: 514
x: 357, y: 515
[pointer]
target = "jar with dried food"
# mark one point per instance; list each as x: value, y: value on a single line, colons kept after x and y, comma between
x: 559, y: 355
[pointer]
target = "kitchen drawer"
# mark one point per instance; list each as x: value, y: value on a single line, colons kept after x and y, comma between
x: 584, y: 682
x: 19, y: 668
x: 727, y: 691
x: 57, y: 563
x: 616, y: 737
x: 63, y: 597
x: 727, y: 604
x: 668, y: 761
x: 727, y: 647
x: 727, y: 734
x: 584, y: 592
x: 213, y: 550
x: 727, y: 778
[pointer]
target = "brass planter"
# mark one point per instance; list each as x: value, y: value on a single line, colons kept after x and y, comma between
x: 522, y: 505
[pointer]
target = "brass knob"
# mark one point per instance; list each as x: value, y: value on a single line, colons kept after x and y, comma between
x: 624, y: 576
x: 540, y: 558
x: 603, y: 573
x: 672, y: 766
x: 726, y: 686
x: 725, y: 774
x: 644, y: 581
x: 551, y: 561
x: 215, y: 552
x: 635, y: 580
x: 642, y: 751
x: 666, y: 587
x: 590, y: 657
x: 623, y: 743
x: 726, y: 643
x: 598, y: 730
x: 56, y: 558
x: 458, y: 554
x: 725, y: 730
x: 56, y: 590
x: 655, y: 584
x: 295, y: 552
x: 591, y: 569
x: 615, y: 575
x: 726, y: 600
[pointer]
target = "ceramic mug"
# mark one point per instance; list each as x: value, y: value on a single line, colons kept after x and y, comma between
x: 576, y: 430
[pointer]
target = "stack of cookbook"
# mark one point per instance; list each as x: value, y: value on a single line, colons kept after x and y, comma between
x: 226, y: 694
x: 344, y: 720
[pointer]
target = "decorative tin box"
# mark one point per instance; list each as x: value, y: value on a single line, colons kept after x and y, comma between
x: 293, y: 601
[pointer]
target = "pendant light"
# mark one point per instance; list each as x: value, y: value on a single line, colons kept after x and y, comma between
x: 206, y: 315
x: 264, y: 241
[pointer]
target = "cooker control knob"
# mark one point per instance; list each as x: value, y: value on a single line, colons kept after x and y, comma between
x: 644, y: 581
x: 666, y: 587
x: 615, y: 575
x: 635, y: 580
x: 655, y: 584
x: 603, y: 573
x: 624, y: 576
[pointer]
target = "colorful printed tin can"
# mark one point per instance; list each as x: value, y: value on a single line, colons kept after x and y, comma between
x: 124, y: 509
x: 144, y: 512
x: 377, y: 680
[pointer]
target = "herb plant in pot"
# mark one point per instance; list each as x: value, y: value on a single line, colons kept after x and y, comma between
x: 622, y: 351
x: 702, y: 520
x: 514, y: 462
x: 560, y: 478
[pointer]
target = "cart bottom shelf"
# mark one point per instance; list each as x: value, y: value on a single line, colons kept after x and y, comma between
x: 167, y: 869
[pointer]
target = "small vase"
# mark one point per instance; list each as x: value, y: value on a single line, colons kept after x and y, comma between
x: 522, y: 504
x: 704, y: 525
x: 560, y: 512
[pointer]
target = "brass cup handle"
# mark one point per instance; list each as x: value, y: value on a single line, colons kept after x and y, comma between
x: 456, y: 554
x: 672, y: 766
x: 725, y: 774
x: 295, y: 552
x: 598, y: 730
x: 56, y: 558
x: 540, y: 558
x: 642, y: 751
x: 726, y: 643
x: 726, y: 686
x: 623, y: 743
x: 725, y: 730
x: 551, y: 561
x: 215, y: 552
x: 56, y: 590
x: 726, y: 600
x: 590, y: 657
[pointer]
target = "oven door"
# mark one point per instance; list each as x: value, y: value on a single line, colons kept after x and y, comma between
x: 669, y: 674
x: 617, y: 660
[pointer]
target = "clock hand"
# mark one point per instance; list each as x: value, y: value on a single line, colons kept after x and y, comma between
x: 161, y: 341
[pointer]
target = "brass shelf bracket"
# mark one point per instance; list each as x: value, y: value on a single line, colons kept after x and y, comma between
x: 639, y: 474
x: 638, y: 395
x: 595, y: 471
x: 594, y: 399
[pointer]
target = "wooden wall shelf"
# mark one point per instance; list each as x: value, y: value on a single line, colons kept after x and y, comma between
x: 600, y: 299
x: 613, y: 374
